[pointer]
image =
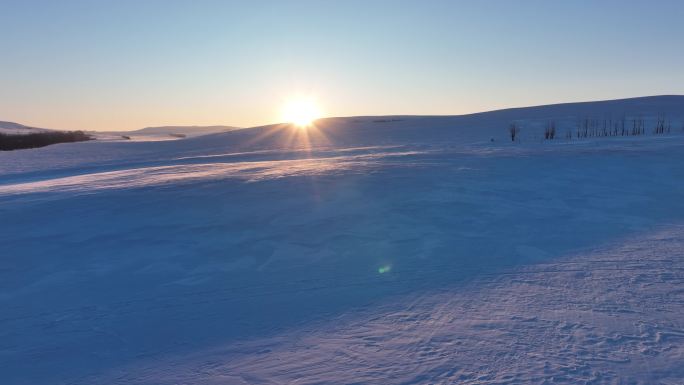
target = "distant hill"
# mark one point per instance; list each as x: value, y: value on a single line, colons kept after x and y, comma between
x: 481, y: 127
x: 11, y: 128
x: 144, y: 134
x: 162, y: 133
x: 183, y: 130
x: 15, y: 136
x: 597, y: 118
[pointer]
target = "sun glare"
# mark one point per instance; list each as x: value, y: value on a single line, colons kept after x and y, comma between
x: 301, y: 112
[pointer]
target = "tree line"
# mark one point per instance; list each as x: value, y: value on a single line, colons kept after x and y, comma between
x: 40, y: 139
x: 591, y: 127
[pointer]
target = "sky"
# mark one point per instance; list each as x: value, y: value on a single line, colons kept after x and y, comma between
x: 128, y: 64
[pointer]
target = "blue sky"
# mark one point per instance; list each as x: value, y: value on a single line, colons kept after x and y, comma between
x: 129, y: 64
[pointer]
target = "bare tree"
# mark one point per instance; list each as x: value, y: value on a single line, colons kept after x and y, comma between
x: 513, y: 129
x: 660, y: 126
x: 550, y: 130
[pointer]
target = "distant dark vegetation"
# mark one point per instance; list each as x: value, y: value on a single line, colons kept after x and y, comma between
x: 40, y: 139
x: 588, y: 128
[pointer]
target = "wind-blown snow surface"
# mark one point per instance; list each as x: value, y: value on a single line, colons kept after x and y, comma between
x: 400, y: 250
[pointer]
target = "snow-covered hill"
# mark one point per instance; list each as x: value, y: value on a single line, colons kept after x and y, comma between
x: 184, y: 130
x: 163, y: 133
x: 156, y: 134
x: 369, y: 250
x: 331, y: 133
x: 143, y: 134
x: 11, y: 128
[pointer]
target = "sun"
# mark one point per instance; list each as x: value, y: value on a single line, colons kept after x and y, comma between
x: 301, y: 112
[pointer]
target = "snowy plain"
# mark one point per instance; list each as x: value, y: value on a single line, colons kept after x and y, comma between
x: 370, y: 250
